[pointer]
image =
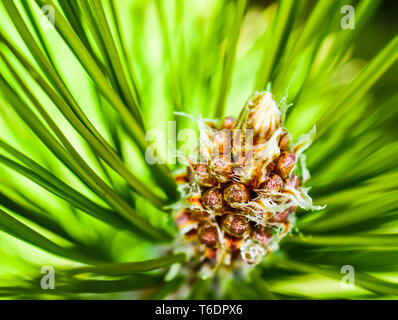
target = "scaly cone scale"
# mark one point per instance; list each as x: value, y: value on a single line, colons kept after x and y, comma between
x: 240, y: 193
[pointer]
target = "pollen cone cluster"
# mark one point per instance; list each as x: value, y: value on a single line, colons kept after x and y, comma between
x: 242, y: 187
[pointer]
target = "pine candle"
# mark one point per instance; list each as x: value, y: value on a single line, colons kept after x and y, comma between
x: 243, y: 187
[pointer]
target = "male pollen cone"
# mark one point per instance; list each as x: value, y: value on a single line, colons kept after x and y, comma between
x: 208, y: 235
x: 272, y: 183
x: 233, y: 224
x: 228, y: 123
x: 240, y: 199
x: 281, y: 216
x: 235, y: 194
x: 222, y: 167
x: 285, y: 164
x: 260, y: 235
x: 212, y: 199
x: 222, y: 142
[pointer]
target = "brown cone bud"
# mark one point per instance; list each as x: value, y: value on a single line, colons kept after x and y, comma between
x: 202, y: 176
x: 260, y: 235
x: 272, y: 183
x: 281, y: 216
x: 222, y: 168
x: 212, y: 199
x: 209, y: 236
x: 228, y: 123
x: 222, y: 142
x: 285, y: 164
x: 235, y: 225
x: 236, y: 193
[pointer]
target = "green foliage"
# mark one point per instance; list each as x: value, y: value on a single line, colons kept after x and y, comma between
x: 76, y: 101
